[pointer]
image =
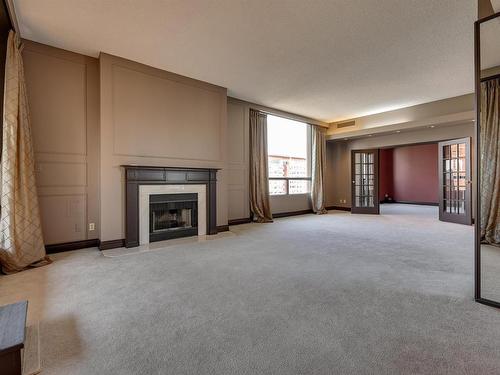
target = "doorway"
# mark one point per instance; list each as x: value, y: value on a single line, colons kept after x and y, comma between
x: 364, y: 172
x: 427, y: 174
x: 455, y: 181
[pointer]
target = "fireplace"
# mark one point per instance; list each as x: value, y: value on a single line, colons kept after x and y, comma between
x: 172, y: 216
x: 168, y: 202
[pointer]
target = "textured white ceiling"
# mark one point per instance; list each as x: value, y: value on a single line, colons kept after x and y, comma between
x: 496, y: 5
x: 327, y: 59
x: 489, y: 43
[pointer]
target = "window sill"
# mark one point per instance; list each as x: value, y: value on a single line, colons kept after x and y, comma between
x: 289, y: 195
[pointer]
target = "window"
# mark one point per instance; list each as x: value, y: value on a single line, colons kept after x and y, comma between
x: 288, y: 148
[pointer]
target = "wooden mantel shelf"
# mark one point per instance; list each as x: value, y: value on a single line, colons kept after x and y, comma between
x: 169, y: 168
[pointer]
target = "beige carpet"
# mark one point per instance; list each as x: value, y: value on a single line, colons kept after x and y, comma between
x: 331, y: 294
x: 490, y: 272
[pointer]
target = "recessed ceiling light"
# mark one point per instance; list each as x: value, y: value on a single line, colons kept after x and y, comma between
x: 369, y: 135
x: 432, y: 126
x: 345, y: 139
x: 398, y: 131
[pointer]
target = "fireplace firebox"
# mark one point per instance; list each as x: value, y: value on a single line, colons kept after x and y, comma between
x: 172, y: 216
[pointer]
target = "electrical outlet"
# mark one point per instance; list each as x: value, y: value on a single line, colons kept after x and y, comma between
x: 91, y: 226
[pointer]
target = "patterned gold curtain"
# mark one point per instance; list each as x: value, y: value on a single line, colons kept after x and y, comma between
x: 259, y: 182
x: 490, y: 161
x: 21, y: 241
x: 318, y: 163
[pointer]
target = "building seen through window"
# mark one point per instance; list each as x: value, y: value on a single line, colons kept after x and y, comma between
x: 288, y: 156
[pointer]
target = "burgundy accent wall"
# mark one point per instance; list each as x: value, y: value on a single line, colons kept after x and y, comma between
x: 415, y: 173
x: 409, y: 173
x: 385, y: 185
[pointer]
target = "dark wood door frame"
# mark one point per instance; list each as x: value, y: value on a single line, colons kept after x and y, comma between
x: 477, y: 149
x: 376, y: 204
x: 454, y: 217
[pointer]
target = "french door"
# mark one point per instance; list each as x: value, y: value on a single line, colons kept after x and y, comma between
x: 455, y: 181
x: 364, y: 173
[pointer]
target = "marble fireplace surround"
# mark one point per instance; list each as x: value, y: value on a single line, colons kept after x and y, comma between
x: 145, y: 191
x: 143, y: 181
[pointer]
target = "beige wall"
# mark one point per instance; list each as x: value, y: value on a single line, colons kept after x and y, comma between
x: 451, y: 110
x: 238, y: 160
x: 338, y: 184
x: 238, y: 163
x: 63, y: 93
x: 148, y: 117
x: 289, y: 203
x: 153, y: 117
x: 91, y: 116
x: 337, y: 173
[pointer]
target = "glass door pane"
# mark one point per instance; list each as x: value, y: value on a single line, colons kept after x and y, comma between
x: 455, y: 181
x: 364, y: 181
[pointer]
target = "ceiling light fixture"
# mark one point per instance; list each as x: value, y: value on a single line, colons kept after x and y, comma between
x: 432, y: 126
x: 398, y: 131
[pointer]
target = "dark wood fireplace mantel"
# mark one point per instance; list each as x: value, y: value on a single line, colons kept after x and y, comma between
x: 136, y: 175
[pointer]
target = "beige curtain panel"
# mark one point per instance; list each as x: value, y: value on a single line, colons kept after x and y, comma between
x: 259, y: 182
x: 490, y: 162
x: 318, y: 165
x: 21, y: 241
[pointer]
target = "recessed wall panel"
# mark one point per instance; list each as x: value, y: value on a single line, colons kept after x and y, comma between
x: 64, y: 100
x: 236, y: 133
x: 237, y: 176
x: 155, y: 116
x: 63, y: 218
x: 238, y: 207
x: 61, y: 174
x: 57, y: 99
